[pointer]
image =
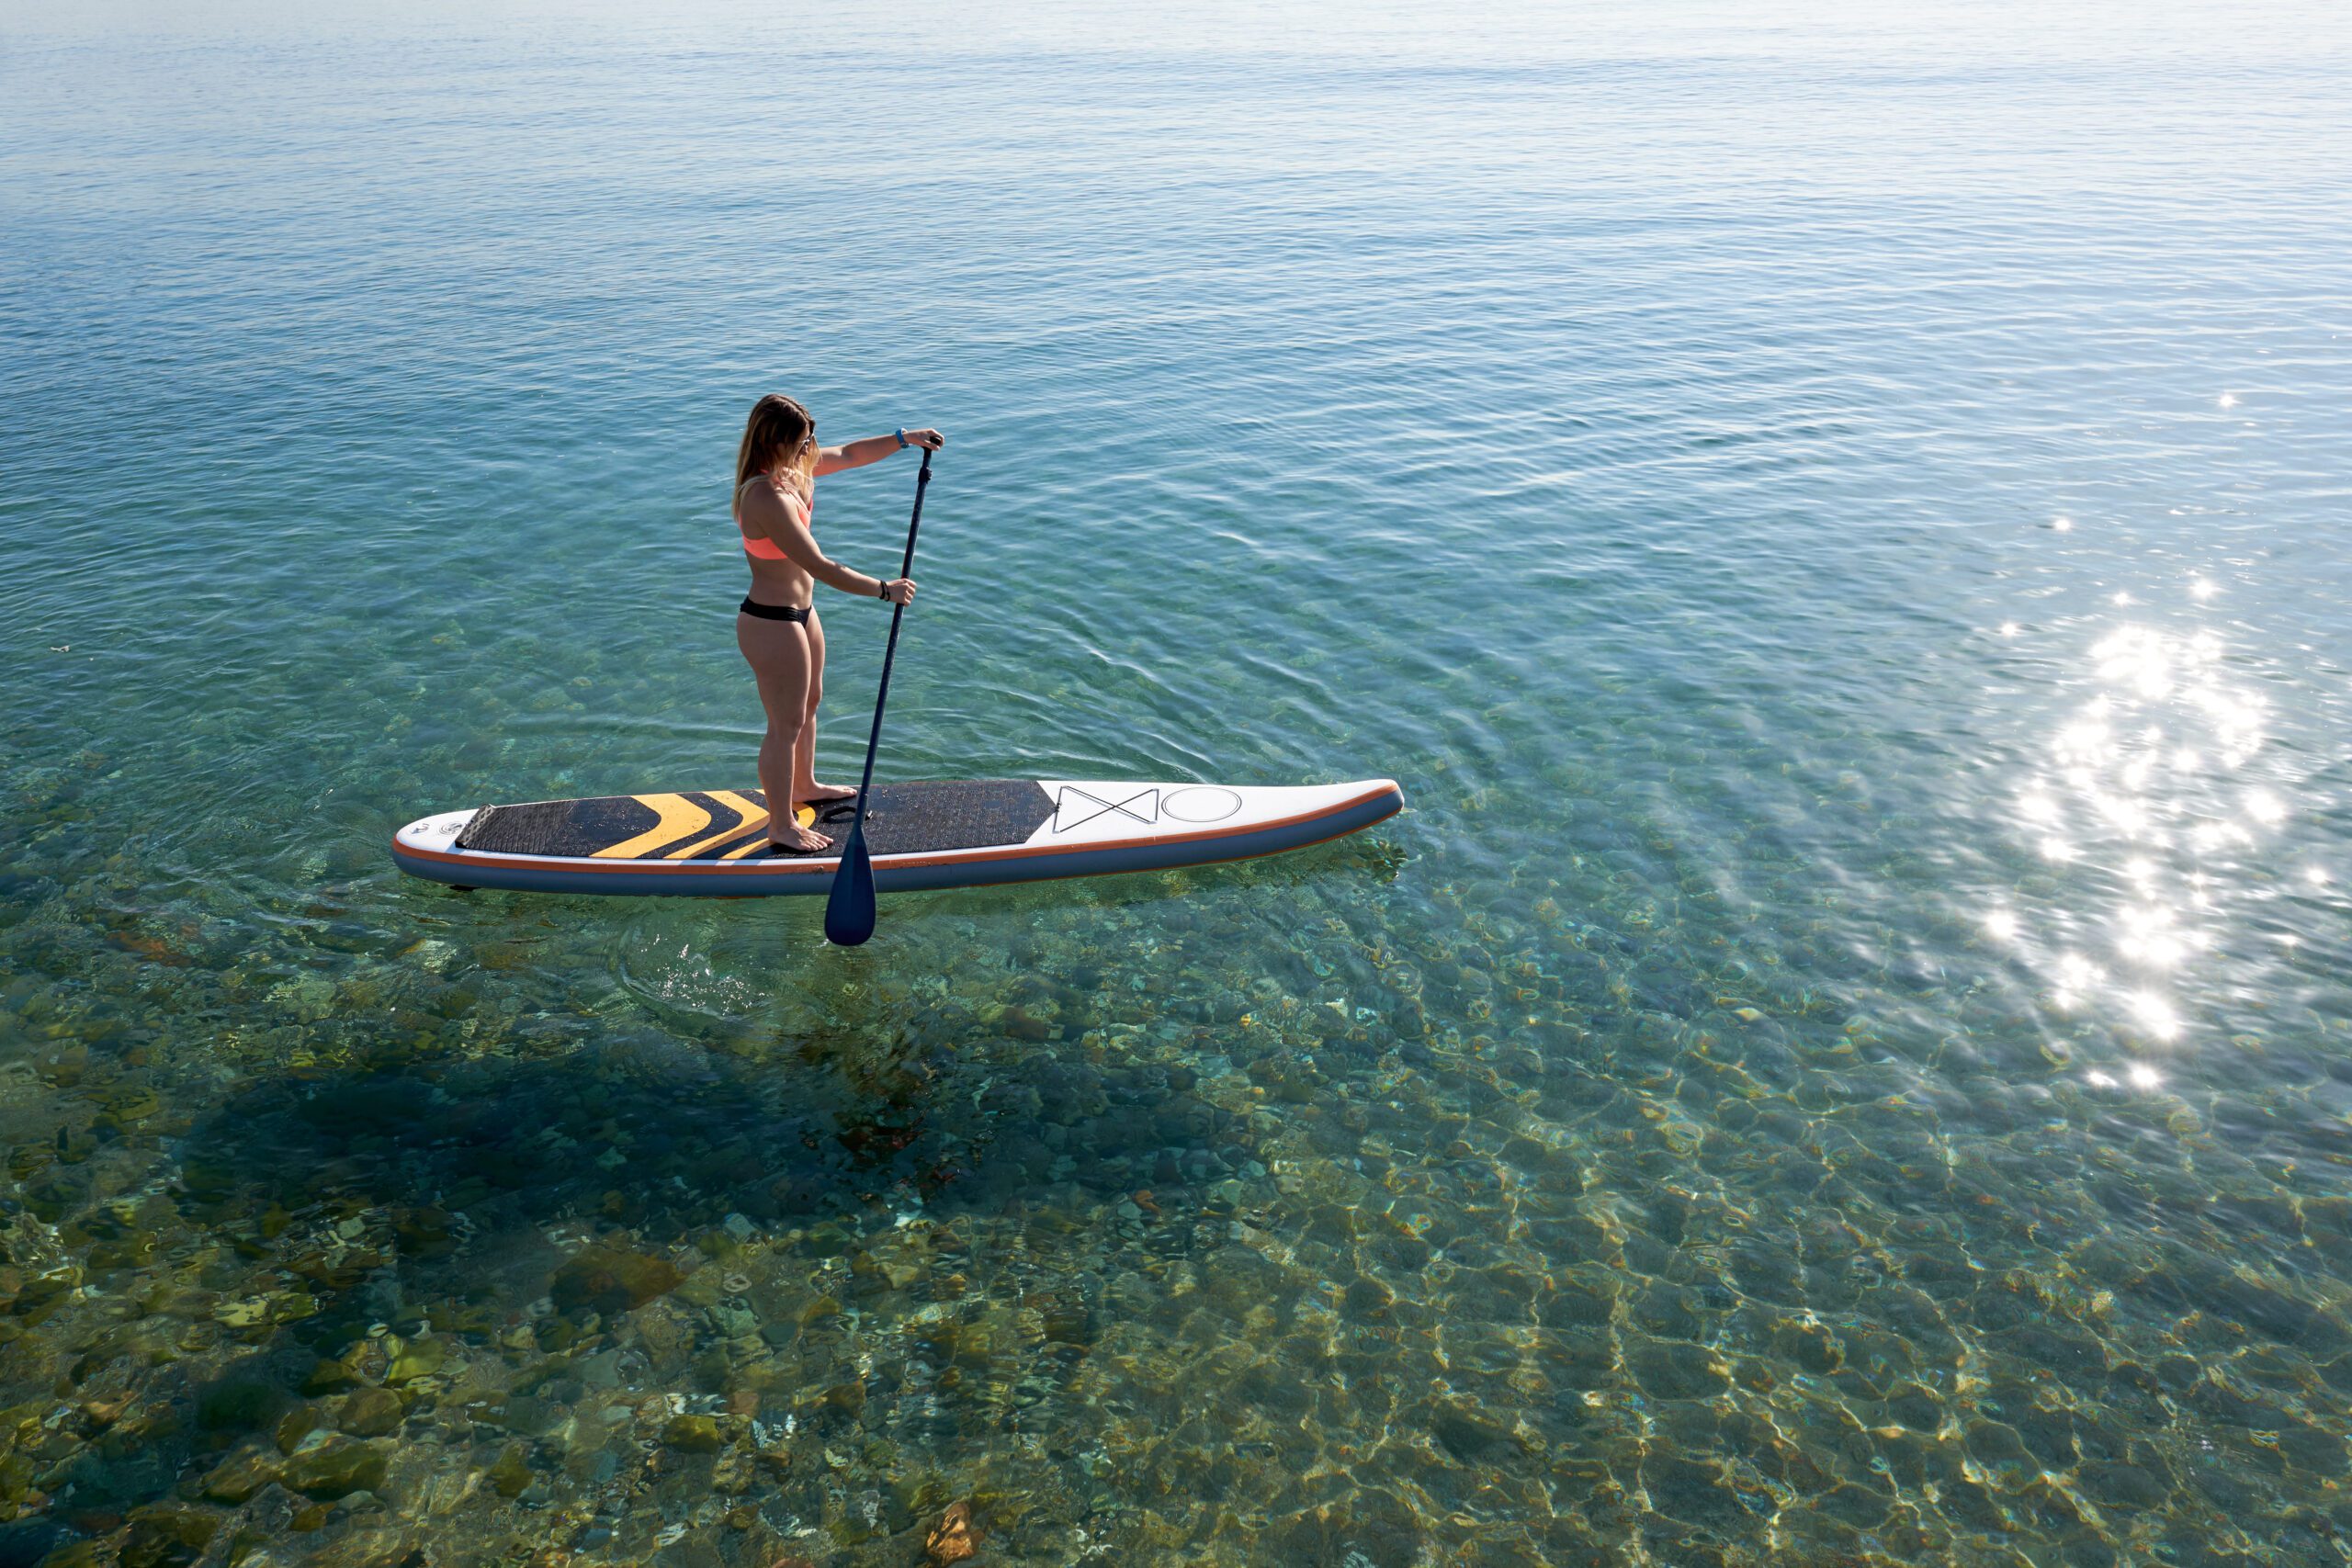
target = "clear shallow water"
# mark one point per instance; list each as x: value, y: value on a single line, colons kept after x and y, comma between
x: 1834, y: 522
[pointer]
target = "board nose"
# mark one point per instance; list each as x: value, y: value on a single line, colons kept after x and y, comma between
x: 436, y: 832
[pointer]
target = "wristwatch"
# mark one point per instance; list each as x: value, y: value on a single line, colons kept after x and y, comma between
x: 902, y: 438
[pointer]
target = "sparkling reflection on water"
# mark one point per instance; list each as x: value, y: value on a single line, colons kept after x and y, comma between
x: 2145, y: 782
x: 1832, y: 519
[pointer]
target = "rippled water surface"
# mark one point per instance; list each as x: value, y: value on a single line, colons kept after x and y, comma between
x: 1835, y: 515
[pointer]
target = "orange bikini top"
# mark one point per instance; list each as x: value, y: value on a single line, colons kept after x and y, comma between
x: 765, y: 549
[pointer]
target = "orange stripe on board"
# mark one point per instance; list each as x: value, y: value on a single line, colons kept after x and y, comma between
x: 804, y: 815
x: 748, y: 817
x: 678, y: 817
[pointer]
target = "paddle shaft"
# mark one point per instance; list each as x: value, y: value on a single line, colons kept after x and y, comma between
x: 849, y: 908
x: 890, y: 648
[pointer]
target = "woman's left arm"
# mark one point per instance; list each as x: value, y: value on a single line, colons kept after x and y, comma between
x: 874, y: 448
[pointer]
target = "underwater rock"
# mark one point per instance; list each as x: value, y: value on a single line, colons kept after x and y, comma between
x: 732, y: 1475
x: 240, y: 1475
x: 46, y: 1540
x: 523, y: 1415
x: 666, y: 1339
x: 167, y: 1535
x: 869, y: 1273
x: 369, y: 1412
x: 708, y: 1286
x: 328, y: 1377
x: 953, y: 1539
x: 511, y: 1476
x: 416, y: 1359
x: 246, y: 1403
x: 335, y: 1468
x: 295, y: 1426
x: 605, y: 1280
x: 695, y: 1434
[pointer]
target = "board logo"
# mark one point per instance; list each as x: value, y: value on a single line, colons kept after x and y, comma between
x: 1076, y: 807
x: 1201, y: 802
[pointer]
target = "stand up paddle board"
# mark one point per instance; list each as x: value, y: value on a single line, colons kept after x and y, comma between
x: 966, y: 833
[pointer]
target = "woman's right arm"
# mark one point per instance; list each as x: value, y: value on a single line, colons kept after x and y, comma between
x: 785, y: 523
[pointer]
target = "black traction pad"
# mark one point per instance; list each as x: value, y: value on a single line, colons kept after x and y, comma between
x: 901, y: 818
x: 557, y: 827
x: 965, y: 814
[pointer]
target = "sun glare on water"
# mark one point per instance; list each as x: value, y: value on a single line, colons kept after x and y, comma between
x: 2143, y: 781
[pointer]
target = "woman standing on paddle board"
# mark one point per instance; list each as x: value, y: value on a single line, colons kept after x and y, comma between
x: 776, y: 626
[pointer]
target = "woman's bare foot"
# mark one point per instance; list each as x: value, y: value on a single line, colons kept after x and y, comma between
x: 816, y: 794
x: 792, y: 836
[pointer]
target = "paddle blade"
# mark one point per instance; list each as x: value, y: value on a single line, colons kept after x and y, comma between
x: 849, y: 908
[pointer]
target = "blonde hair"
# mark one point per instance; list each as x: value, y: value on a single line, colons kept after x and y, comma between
x: 779, y: 432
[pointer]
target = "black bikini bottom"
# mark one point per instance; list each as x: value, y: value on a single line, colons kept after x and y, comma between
x: 798, y: 617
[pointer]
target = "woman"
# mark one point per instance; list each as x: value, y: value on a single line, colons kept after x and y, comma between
x: 777, y: 628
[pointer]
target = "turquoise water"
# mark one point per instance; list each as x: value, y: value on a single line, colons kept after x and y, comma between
x: 1835, y: 519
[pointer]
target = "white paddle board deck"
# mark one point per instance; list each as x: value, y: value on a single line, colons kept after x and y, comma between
x: 966, y: 833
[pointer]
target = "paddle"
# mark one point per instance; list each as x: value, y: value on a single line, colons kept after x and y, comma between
x: 849, y: 908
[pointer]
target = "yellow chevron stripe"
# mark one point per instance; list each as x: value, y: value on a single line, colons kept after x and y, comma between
x: 678, y: 817
x: 805, y: 815
x: 748, y: 818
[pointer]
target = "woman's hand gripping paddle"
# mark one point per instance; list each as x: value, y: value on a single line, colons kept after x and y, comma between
x: 849, y: 908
